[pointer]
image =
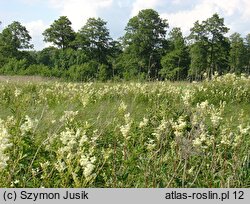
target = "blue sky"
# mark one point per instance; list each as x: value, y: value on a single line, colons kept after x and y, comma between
x: 37, y: 15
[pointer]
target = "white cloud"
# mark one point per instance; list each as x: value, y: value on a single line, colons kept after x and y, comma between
x: 78, y: 11
x: 179, y: 14
x: 239, y: 9
x: 36, y: 28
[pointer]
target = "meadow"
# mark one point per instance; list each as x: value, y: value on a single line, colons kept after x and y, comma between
x: 130, y: 134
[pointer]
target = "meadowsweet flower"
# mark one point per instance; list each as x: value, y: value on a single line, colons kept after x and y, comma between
x: 17, y: 92
x: 203, y: 141
x: 69, y: 116
x: 60, y: 166
x: 143, y: 123
x: 4, y: 145
x: 242, y: 130
x: 150, y: 144
x: 197, y: 142
x: 69, y: 138
x: 215, y: 119
x: 160, y: 130
x: 83, y: 139
x: 87, y: 164
x: 226, y: 138
x: 187, y: 96
x: 127, y: 118
x: 125, y: 130
x: 28, y: 125
x: 122, y: 107
x: 179, y: 126
x: 191, y: 170
x: 45, y: 165
x: 203, y: 105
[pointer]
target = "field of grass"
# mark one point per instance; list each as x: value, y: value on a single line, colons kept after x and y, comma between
x: 156, y: 134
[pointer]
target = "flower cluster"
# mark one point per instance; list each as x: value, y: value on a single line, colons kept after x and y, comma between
x: 4, y: 145
x: 126, y: 128
x: 28, y: 125
x: 88, y: 164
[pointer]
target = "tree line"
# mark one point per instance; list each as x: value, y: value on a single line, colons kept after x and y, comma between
x: 147, y: 51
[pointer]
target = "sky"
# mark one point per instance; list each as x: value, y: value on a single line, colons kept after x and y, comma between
x: 37, y: 15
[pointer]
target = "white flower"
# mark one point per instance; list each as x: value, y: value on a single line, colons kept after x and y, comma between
x: 17, y: 92
x: 215, y: 119
x: 28, y: 125
x: 179, y: 126
x: 125, y: 130
x: 197, y: 142
x: 225, y: 138
x: 151, y: 144
x: 88, y: 170
x: 203, y: 105
x: 244, y: 131
x: 87, y: 164
x: 4, y: 145
x: 123, y: 107
x: 60, y: 166
x: 69, y: 116
x: 191, y: 170
x: 127, y: 118
x: 143, y: 123
x: 83, y: 139
x: 187, y: 96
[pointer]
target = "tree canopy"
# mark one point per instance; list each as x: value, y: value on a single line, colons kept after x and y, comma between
x: 146, y: 51
x: 60, y: 33
x: 95, y: 39
x: 144, y: 40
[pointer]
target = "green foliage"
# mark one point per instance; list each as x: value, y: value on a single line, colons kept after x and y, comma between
x: 210, y: 35
x: 143, y: 53
x: 14, y: 66
x: 121, y: 135
x: 14, y: 38
x: 39, y: 69
x: 95, y: 40
x: 237, y: 53
x: 60, y: 33
x: 84, y: 72
x: 176, y: 62
x: 144, y: 41
x: 247, y: 56
x: 198, y: 55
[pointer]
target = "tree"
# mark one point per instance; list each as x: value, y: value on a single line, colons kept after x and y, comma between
x: 247, y: 59
x: 210, y: 35
x: 198, y: 55
x: 60, y: 33
x: 237, y: 53
x: 176, y: 62
x: 14, y: 39
x: 144, y: 41
x: 218, y: 43
x: 95, y: 40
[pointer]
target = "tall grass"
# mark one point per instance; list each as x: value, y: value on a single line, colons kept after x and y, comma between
x: 160, y: 134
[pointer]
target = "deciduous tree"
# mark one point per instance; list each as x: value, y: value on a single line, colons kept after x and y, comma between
x: 144, y: 41
x: 95, y: 40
